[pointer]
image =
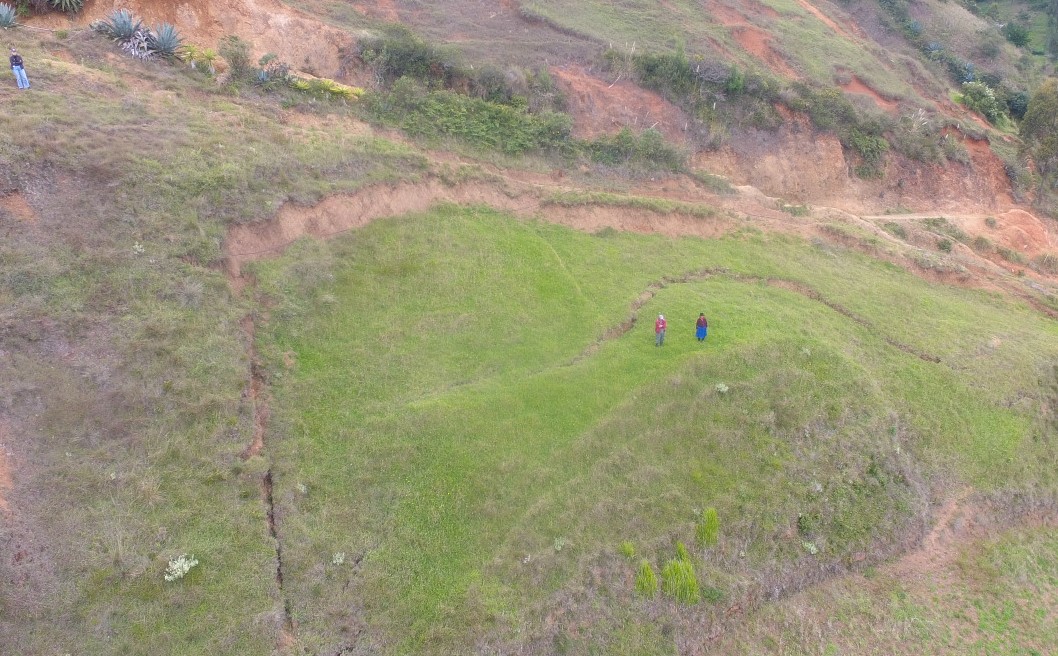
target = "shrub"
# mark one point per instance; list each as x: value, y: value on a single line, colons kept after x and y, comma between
x: 1010, y: 255
x: 8, y: 15
x: 945, y: 245
x: 120, y: 26
x: 982, y: 244
x: 400, y: 53
x: 679, y: 581
x: 626, y: 146
x: 1016, y: 34
x: 982, y: 99
x: 236, y: 52
x: 708, y: 530
x: 991, y: 222
x: 646, y: 580
x: 68, y: 6
x: 165, y: 41
x: 179, y: 567
x: 1046, y: 263
x: 895, y: 229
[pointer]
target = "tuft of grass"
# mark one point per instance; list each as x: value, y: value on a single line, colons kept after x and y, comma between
x: 627, y: 549
x: 708, y: 530
x: 679, y: 581
x: 646, y: 581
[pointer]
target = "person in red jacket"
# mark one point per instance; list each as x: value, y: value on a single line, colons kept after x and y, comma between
x: 659, y: 331
x: 701, y: 327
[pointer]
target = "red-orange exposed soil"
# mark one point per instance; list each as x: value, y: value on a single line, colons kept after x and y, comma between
x: 342, y: 213
x: 828, y: 21
x: 752, y: 39
x: 856, y: 85
x: 599, y: 108
x: 301, y: 40
x: 15, y: 205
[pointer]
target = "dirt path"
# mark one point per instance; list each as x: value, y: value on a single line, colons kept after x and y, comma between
x: 338, y: 214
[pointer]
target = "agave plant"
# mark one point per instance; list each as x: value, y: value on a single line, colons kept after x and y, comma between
x: 139, y: 45
x: 7, y: 15
x: 164, y: 41
x: 68, y: 6
x: 121, y: 25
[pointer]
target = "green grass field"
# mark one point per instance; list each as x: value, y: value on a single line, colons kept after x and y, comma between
x: 461, y: 462
x: 446, y: 424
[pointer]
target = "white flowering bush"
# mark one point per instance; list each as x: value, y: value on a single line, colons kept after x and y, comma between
x: 810, y: 547
x: 338, y: 558
x: 721, y: 388
x: 179, y: 567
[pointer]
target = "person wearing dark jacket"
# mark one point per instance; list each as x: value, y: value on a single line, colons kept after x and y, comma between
x: 701, y: 327
x: 18, y: 67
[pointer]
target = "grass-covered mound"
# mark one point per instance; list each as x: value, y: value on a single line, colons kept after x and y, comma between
x: 442, y: 418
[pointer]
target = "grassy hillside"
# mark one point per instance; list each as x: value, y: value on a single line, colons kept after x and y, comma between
x: 468, y: 445
x: 442, y: 419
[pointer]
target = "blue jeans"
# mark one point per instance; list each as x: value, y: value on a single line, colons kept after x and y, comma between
x: 659, y: 338
x: 20, y: 77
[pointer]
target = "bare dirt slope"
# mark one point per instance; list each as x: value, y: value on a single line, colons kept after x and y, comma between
x: 300, y: 39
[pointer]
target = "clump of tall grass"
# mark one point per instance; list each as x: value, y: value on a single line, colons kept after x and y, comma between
x: 708, y: 530
x: 646, y: 580
x: 679, y: 581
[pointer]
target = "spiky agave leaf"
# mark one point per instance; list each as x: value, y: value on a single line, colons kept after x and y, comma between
x: 164, y: 40
x: 8, y: 15
x: 121, y: 25
x: 68, y: 6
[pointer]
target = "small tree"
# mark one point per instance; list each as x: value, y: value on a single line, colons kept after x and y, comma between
x: 1016, y: 34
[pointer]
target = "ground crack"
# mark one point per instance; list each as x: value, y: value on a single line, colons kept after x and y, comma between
x: 256, y: 393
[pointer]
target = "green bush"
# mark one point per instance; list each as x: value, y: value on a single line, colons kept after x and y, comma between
x: 668, y: 74
x: 895, y: 229
x: 398, y: 53
x: 980, y: 98
x: 481, y: 123
x: 708, y: 530
x: 1016, y: 34
x: 646, y: 580
x: 236, y: 52
x: 679, y: 581
x: 626, y: 147
x: 682, y: 553
x: 945, y: 245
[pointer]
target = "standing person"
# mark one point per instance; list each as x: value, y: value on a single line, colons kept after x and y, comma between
x: 18, y: 67
x: 659, y: 330
x: 701, y: 327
